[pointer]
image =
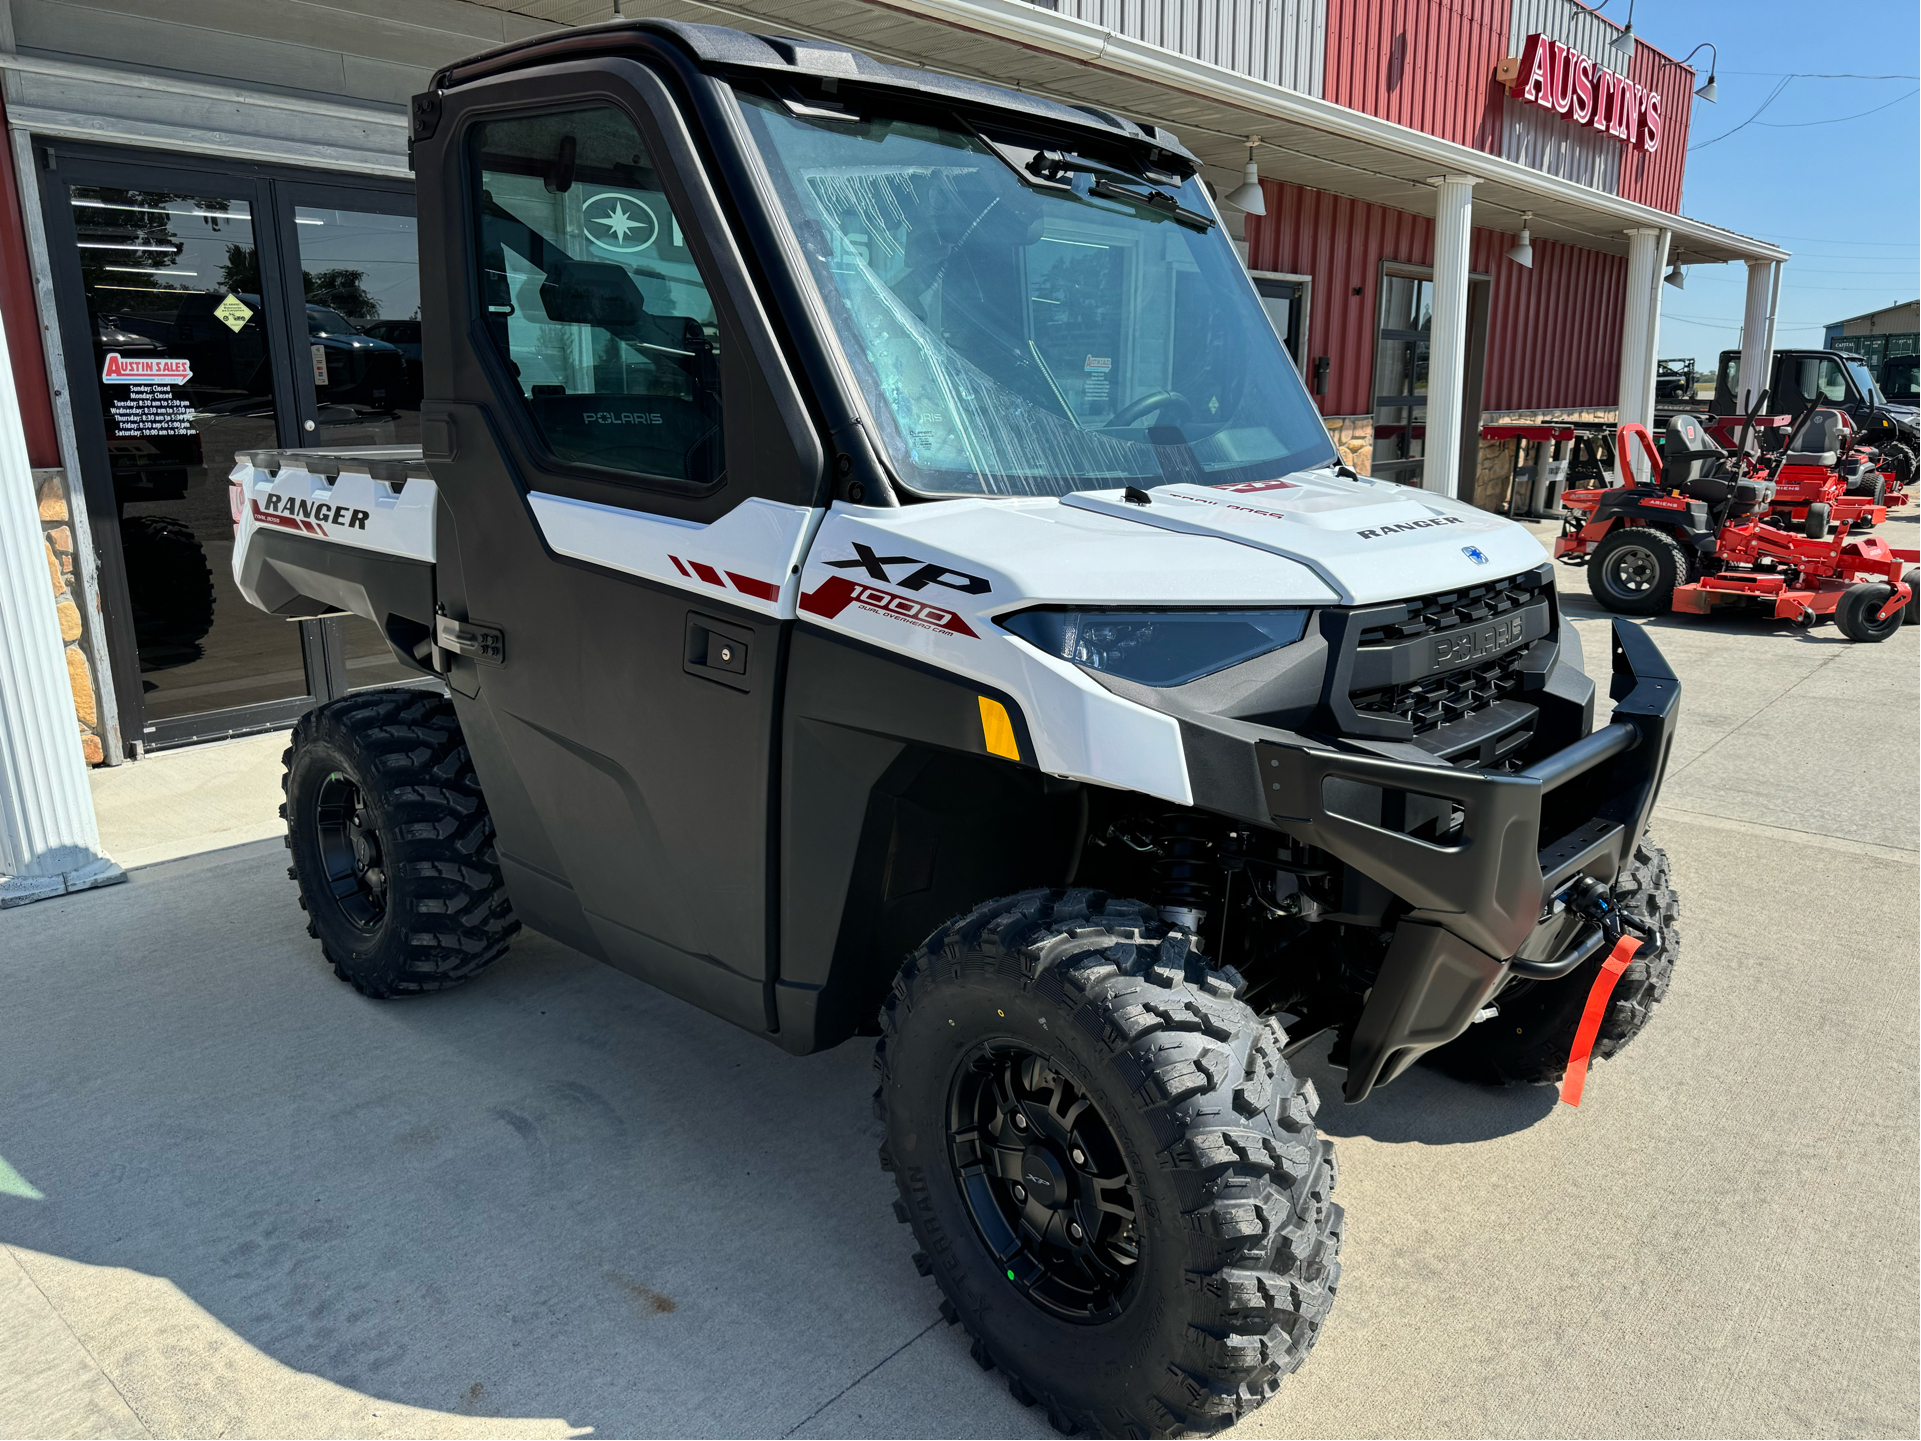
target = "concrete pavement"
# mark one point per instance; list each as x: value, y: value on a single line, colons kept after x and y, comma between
x: 238, y: 1199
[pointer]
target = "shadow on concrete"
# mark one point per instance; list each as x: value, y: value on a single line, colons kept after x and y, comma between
x: 1423, y: 1107
x: 555, y: 1192
x: 1743, y: 619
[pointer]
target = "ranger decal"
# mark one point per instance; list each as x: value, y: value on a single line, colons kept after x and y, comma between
x: 1379, y: 531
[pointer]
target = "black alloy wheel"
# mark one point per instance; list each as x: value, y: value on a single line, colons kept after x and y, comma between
x: 1045, y: 1182
x: 351, y: 852
x: 1635, y: 569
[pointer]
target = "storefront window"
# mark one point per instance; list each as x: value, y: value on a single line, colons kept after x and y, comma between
x: 1400, y: 378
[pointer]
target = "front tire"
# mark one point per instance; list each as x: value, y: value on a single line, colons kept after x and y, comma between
x: 1635, y: 569
x: 1112, y: 1173
x: 1527, y: 1043
x: 1855, y: 615
x: 392, y: 845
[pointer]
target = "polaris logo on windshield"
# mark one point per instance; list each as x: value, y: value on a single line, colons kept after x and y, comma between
x: 1407, y: 525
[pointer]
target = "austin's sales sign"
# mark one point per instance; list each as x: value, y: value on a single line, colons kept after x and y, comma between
x: 1571, y: 85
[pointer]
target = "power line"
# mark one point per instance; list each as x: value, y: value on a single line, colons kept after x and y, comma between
x: 1819, y: 75
x: 1803, y: 124
x: 1773, y: 95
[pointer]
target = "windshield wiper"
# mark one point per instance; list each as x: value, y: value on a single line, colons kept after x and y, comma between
x: 1156, y: 200
x: 1052, y: 167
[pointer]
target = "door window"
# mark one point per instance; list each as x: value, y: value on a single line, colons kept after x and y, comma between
x: 591, y: 299
x: 1400, y: 379
x: 1833, y: 382
x: 186, y: 378
x: 360, y: 274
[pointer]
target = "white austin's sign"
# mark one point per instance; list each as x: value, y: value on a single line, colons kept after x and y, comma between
x: 145, y: 370
x: 1571, y: 85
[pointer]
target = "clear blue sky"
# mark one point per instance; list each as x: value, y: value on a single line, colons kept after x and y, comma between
x: 1843, y: 197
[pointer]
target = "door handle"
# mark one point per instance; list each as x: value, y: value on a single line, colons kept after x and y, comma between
x: 717, y: 650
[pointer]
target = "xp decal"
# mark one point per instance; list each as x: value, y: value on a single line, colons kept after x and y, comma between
x: 876, y: 566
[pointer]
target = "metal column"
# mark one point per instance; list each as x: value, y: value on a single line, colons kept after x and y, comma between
x: 1643, y: 275
x: 1754, y: 334
x: 1650, y: 359
x: 49, y: 842
x: 1447, y: 338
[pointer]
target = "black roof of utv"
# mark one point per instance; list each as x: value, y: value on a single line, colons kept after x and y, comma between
x: 720, y: 49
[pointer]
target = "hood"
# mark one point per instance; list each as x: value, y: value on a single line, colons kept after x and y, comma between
x: 1369, y: 540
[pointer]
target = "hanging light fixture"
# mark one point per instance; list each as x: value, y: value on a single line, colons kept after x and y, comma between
x: 1624, y: 42
x: 1677, y: 277
x: 1708, y: 89
x: 1523, y: 254
x: 1247, y: 195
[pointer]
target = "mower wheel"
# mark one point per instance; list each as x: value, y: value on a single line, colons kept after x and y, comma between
x: 1911, y: 612
x: 1855, y: 614
x: 1109, y: 1168
x: 1635, y: 569
x: 1528, y: 1041
x: 1815, y: 527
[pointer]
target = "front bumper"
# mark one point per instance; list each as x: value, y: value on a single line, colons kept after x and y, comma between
x: 1482, y: 899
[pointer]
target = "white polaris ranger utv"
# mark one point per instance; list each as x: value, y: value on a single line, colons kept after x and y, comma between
x: 887, y: 578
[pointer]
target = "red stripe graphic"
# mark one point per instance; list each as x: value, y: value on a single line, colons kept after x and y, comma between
x: 678, y: 566
x: 1597, y: 1008
x: 707, y: 573
x: 285, y: 522
x: 837, y: 593
x: 758, y: 589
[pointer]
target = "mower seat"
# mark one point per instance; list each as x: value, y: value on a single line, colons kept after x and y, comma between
x: 1693, y: 462
x: 1816, y: 440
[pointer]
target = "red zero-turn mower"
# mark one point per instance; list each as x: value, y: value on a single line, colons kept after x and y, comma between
x: 1698, y: 536
x: 1824, y: 463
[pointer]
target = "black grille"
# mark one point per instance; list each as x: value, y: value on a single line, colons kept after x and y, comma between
x: 1431, y: 614
x: 1438, y: 699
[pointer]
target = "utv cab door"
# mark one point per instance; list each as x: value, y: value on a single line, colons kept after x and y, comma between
x: 628, y: 482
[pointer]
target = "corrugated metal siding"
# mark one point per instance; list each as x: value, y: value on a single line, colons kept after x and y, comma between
x: 1574, y: 25
x: 1426, y: 64
x: 1656, y: 179
x: 1279, y: 41
x: 1554, y: 332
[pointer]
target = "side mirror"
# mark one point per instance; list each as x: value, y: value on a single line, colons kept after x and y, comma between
x: 593, y: 293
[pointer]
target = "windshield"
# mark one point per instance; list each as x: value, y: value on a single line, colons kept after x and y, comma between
x: 1865, y: 379
x: 1017, y: 339
x: 323, y: 322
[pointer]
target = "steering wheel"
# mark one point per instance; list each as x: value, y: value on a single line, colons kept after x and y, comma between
x: 1147, y: 404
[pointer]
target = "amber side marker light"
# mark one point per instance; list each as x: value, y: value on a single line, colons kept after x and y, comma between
x: 997, y: 730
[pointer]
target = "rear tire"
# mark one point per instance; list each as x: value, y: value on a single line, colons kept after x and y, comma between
x: 1184, y: 1143
x: 1815, y: 525
x: 392, y: 845
x: 1911, y: 612
x: 1527, y: 1044
x: 1635, y: 570
x: 1855, y: 614
x: 170, y: 586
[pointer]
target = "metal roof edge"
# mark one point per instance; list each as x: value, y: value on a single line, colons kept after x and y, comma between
x: 1023, y: 24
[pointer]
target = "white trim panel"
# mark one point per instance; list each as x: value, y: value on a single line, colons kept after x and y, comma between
x: 351, y: 510
x: 750, y: 557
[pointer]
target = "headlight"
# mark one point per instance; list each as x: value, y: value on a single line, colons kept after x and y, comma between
x: 1157, y: 647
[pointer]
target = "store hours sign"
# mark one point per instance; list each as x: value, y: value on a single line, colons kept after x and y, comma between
x: 149, y: 406
x: 1571, y: 85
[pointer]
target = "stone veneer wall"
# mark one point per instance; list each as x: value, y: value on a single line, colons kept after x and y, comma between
x: 1353, y: 437
x: 56, y: 525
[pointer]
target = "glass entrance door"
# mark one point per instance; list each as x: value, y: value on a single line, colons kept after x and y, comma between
x: 183, y: 364
x: 1400, y: 379
x: 199, y: 320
